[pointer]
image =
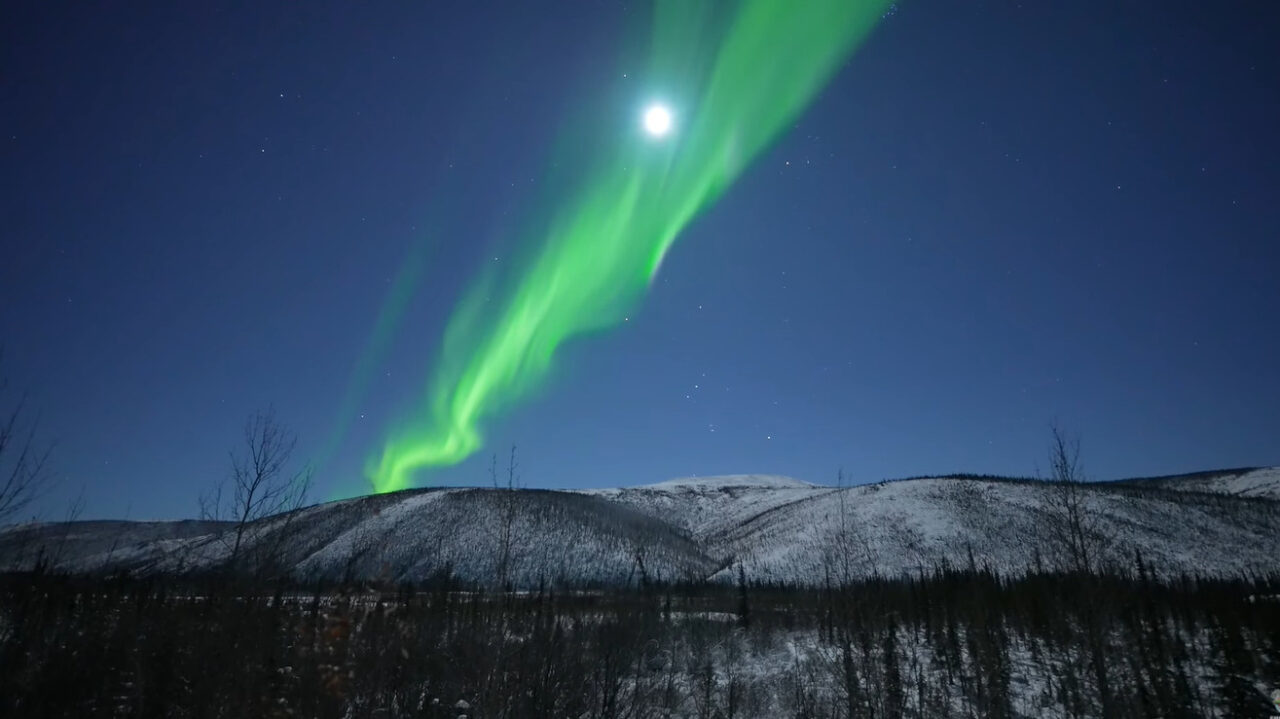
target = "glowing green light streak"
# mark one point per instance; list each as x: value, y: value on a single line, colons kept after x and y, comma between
x: 397, y: 299
x: 601, y: 252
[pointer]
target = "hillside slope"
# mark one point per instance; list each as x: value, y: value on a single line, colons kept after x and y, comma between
x: 911, y: 525
x: 702, y: 506
x: 777, y: 529
x: 1254, y: 482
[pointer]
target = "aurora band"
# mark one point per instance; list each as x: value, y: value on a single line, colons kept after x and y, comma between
x: 752, y: 71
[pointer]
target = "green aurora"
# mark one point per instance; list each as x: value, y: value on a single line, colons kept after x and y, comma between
x: 752, y: 72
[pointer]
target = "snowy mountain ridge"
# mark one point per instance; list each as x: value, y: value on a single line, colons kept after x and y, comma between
x: 1247, y: 482
x: 776, y: 529
x: 753, y: 481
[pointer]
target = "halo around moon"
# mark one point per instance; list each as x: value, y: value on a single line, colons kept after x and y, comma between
x: 657, y: 120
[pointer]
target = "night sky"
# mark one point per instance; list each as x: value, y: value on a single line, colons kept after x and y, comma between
x: 994, y: 217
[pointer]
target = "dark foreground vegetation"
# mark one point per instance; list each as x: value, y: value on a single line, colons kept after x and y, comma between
x: 954, y: 643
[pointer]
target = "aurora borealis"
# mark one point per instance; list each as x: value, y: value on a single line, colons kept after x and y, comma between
x: 607, y: 242
x: 415, y: 229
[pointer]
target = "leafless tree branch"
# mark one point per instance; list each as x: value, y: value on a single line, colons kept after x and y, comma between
x: 1076, y: 532
x: 24, y: 461
x: 260, y: 485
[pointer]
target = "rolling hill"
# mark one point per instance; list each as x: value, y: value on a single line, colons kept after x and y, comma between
x: 776, y: 529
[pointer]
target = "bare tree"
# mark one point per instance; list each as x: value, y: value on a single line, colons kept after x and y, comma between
x: 848, y: 553
x: 24, y: 461
x: 507, y: 521
x: 1081, y: 540
x: 261, y: 485
x: 72, y: 515
x: 1076, y: 533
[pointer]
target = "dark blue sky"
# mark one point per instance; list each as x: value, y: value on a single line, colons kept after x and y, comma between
x: 994, y: 217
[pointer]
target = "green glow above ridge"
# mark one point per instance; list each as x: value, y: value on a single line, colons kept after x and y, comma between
x: 752, y: 74
x: 384, y: 329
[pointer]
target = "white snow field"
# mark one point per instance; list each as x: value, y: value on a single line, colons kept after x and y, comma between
x: 776, y: 529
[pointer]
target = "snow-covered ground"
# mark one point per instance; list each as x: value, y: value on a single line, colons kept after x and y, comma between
x: 914, y: 525
x: 774, y: 528
x: 1264, y: 482
x: 704, y: 506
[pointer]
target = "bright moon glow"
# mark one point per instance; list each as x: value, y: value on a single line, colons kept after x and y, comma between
x: 657, y: 120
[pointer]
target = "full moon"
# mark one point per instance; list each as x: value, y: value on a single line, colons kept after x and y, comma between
x: 657, y: 120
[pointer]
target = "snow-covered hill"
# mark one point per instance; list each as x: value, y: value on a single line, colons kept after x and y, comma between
x: 1261, y: 482
x: 703, y: 506
x: 775, y: 528
x: 916, y: 524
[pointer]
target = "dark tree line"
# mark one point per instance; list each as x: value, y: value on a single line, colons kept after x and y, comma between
x: 954, y: 642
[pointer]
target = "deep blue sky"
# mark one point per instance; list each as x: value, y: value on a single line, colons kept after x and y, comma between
x: 994, y: 217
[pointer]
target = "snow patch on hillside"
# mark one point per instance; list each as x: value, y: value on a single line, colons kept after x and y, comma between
x: 754, y: 481
x: 705, y: 506
x: 1254, y: 483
